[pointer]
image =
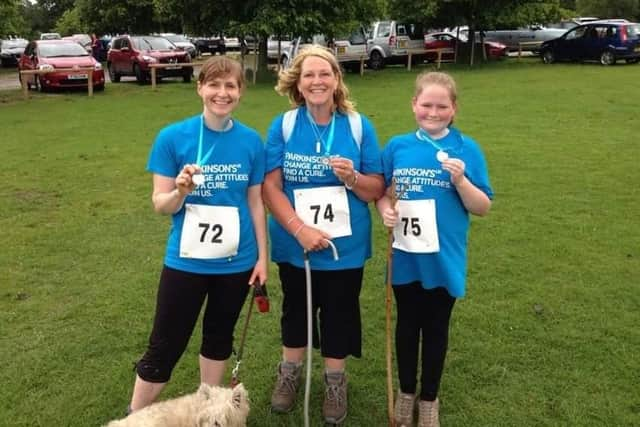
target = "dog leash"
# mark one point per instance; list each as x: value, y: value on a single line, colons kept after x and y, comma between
x: 262, y: 301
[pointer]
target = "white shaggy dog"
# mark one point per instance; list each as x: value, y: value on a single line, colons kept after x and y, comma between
x: 208, y: 407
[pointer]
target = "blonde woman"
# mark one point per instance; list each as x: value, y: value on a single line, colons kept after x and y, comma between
x: 323, y: 168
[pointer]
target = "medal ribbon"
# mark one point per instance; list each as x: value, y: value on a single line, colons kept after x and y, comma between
x: 200, y: 160
x: 423, y: 136
x: 327, y: 146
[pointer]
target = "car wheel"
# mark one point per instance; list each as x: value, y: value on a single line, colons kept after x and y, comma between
x: 40, y: 87
x: 141, y: 78
x: 186, y: 77
x: 632, y: 60
x: 113, y: 76
x: 376, y: 61
x: 548, y: 57
x: 607, y: 58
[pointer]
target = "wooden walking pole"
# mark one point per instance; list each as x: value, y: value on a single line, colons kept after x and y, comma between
x: 394, y: 199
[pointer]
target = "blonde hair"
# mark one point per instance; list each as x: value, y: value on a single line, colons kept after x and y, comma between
x: 221, y: 66
x: 427, y: 78
x: 288, y: 79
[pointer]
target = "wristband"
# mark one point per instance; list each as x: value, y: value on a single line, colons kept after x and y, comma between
x: 290, y: 220
x: 298, y: 230
x: 355, y: 180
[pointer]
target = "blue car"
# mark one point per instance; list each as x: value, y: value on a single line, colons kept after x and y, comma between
x: 605, y: 41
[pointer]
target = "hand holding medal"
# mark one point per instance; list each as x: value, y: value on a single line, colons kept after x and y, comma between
x: 189, y: 177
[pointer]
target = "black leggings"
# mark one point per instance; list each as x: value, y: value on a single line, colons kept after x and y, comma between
x: 427, y: 311
x: 180, y: 298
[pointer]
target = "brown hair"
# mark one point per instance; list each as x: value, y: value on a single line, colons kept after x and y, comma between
x: 288, y: 79
x: 221, y: 66
x: 427, y: 78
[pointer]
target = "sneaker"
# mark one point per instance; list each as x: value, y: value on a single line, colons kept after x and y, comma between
x: 428, y: 413
x: 403, y: 413
x: 334, y: 407
x: 284, y: 393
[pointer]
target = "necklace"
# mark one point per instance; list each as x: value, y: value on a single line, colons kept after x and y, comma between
x: 320, y: 142
x: 198, y: 178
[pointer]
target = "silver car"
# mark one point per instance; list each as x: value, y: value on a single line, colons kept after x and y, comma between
x: 390, y: 41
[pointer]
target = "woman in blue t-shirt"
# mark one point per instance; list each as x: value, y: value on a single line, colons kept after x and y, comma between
x: 207, y: 174
x: 323, y: 167
x: 439, y: 176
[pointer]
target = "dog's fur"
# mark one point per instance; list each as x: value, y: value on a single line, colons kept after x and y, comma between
x: 208, y: 407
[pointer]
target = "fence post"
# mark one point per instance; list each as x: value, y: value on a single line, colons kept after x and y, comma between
x: 90, y: 82
x: 153, y: 78
x: 25, y: 86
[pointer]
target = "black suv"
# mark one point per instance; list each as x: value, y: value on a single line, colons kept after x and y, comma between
x: 210, y: 45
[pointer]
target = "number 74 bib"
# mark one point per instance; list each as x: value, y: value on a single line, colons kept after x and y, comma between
x: 210, y: 232
x: 324, y: 208
x: 417, y: 229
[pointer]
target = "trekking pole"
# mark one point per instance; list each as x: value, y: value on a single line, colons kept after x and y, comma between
x: 261, y: 298
x: 394, y: 199
x: 307, y: 382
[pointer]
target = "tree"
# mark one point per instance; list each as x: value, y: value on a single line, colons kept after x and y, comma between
x: 629, y: 9
x: 11, y: 22
x: 117, y: 16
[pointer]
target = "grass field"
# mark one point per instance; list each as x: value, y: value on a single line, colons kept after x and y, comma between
x: 547, y: 336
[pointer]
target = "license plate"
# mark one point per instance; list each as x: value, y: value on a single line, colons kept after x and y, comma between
x: 342, y: 50
x: 77, y: 76
x: 402, y: 43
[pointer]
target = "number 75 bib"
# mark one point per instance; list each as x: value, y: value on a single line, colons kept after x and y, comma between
x: 324, y: 208
x: 210, y: 232
x: 417, y: 229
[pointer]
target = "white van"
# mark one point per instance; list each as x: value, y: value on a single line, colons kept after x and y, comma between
x: 389, y: 42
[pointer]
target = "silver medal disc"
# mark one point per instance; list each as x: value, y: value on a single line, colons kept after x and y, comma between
x: 442, y: 156
x: 198, y: 179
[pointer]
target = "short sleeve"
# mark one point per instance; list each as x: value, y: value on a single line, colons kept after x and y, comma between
x: 387, y: 162
x: 274, y: 151
x: 162, y: 159
x: 477, y: 171
x: 371, y: 162
x: 258, y: 166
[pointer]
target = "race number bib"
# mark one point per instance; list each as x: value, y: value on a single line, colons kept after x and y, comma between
x: 324, y: 208
x: 210, y: 232
x: 417, y: 229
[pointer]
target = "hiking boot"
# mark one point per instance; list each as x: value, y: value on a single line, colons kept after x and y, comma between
x: 334, y: 407
x: 428, y: 413
x: 403, y: 412
x: 284, y: 393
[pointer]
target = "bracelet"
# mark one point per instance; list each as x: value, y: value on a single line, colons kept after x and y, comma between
x: 290, y: 220
x: 355, y: 180
x: 300, y: 227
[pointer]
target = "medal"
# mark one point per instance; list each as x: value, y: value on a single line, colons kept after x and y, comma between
x: 198, y: 179
x: 441, y: 156
x: 318, y: 147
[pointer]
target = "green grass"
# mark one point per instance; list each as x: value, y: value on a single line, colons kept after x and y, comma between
x: 547, y: 336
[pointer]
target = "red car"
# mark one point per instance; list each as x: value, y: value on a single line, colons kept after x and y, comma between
x: 132, y: 55
x: 49, y: 55
x: 448, y: 41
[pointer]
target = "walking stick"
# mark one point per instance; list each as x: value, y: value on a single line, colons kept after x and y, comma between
x: 394, y: 198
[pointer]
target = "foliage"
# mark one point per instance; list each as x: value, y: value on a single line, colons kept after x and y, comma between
x: 71, y: 23
x: 117, y: 16
x: 629, y: 9
x: 12, y: 22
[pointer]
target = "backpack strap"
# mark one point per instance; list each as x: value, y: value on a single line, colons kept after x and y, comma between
x: 289, y: 122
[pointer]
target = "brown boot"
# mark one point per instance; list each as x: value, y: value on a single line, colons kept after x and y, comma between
x: 284, y: 393
x: 334, y: 408
x: 403, y: 412
x: 428, y: 413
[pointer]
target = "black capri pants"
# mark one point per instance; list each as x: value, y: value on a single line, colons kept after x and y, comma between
x: 336, y: 310
x: 180, y: 299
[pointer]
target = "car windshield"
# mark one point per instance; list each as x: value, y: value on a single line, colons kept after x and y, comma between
x: 53, y: 50
x: 178, y: 39
x: 633, y: 31
x: 152, y: 43
x: 8, y: 44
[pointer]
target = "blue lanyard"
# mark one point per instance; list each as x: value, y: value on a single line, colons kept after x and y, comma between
x: 200, y: 160
x: 329, y: 143
x: 423, y: 136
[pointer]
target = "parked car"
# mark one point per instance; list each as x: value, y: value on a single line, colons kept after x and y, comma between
x: 389, y: 41
x: 11, y: 51
x: 83, y: 39
x: 182, y: 42
x: 50, y: 36
x: 445, y: 40
x: 272, y: 48
x: 210, y: 45
x: 533, y: 36
x: 132, y: 55
x: 603, y: 41
x: 49, y: 55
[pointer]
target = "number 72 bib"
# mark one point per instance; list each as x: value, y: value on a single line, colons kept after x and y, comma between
x: 417, y: 229
x: 210, y: 232
x: 324, y: 208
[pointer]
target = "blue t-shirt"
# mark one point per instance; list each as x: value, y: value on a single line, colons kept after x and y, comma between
x: 236, y: 163
x: 419, y: 174
x: 302, y: 167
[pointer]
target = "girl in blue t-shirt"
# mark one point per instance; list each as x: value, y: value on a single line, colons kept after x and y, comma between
x: 207, y: 174
x: 323, y: 167
x: 438, y: 176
